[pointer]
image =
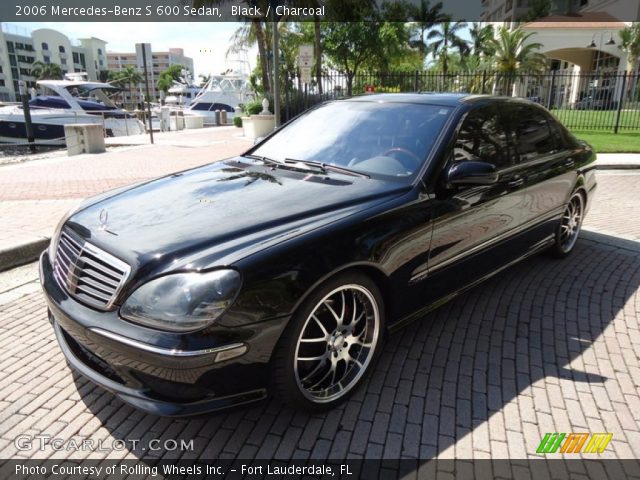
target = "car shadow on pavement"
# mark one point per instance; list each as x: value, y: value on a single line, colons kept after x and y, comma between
x: 486, y: 375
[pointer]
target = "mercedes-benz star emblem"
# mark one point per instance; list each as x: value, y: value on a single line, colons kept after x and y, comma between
x: 104, y: 215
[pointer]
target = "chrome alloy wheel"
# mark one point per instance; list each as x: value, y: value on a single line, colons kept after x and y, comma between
x: 337, y: 343
x: 571, y: 222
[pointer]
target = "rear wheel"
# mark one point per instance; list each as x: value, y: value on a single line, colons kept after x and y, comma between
x: 331, y: 343
x: 569, y: 227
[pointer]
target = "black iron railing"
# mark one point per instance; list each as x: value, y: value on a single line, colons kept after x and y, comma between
x: 600, y: 100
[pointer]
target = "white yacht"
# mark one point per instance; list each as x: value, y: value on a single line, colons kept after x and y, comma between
x: 63, y: 102
x: 221, y: 92
x: 182, y: 92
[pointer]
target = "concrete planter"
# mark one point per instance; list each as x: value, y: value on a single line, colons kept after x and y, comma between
x: 257, y: 126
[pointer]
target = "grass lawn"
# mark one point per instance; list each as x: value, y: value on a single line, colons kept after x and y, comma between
x: 597, y: 119
x: 609, y: 142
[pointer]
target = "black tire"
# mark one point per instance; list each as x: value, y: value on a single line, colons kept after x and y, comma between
x: 337, y: 351
x: 569, y: 226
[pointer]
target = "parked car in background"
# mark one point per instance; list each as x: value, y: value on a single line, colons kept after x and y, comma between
x: 597, y: 100
x: 283, y: 269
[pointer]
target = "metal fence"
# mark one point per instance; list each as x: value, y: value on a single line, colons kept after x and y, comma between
x: 601, y: 100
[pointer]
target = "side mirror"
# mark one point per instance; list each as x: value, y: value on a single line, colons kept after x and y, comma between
x: 257, y: 140
x: 471, y: 172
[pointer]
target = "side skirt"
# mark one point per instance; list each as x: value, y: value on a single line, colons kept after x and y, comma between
x: 536, y: 248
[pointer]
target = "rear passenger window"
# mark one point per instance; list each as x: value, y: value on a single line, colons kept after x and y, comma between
x: 532, y: 134
x: 483, y: 137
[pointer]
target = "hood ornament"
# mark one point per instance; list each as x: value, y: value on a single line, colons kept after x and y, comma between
x: 104, y: 216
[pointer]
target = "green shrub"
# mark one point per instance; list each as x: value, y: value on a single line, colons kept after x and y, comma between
x: 237, y: 121
x: 253, y: 108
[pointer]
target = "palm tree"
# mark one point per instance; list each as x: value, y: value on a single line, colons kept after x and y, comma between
x: 127, y: 76
x: 514, y: 55
x: 630, y: 43
x: 481, y: 37
x: 424, y: 18
x: 247, y: 35
x: 444, y: 38
x: 46, y: 71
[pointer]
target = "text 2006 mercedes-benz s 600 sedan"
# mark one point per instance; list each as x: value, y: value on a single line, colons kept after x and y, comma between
x: 281, y: 270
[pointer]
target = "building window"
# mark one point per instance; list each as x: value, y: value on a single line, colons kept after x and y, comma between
x: 10, y: 47
x: 45, y: 46
x: 61, y: 49
x: 99, y: 51
x: 63, y: 61
x: 76, y: 57
x: 12, y: 60
x: 1, y: 83
x: 46, y: 59
x: 83, y: 61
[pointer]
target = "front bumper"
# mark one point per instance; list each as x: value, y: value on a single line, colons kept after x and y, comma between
x: 160, y: 377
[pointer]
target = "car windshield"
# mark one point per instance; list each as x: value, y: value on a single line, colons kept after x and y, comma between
x: 380, y: 139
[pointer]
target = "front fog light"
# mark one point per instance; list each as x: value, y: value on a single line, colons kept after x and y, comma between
x: 184, y: 301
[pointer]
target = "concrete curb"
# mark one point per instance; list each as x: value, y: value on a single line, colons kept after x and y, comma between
x: 621, y: 166
x: 22, y: 254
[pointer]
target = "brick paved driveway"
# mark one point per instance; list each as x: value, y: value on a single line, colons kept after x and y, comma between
x: 34, y: 195
x: 546, y: 346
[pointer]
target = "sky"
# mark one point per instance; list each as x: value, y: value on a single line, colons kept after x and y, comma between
x: 205, y: 42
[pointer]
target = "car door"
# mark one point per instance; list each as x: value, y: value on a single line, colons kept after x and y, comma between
x: 471, y: 222
x: 546, y: 165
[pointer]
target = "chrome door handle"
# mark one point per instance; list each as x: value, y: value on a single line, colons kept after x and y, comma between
x: 569, y: 162
x: 515, y: 183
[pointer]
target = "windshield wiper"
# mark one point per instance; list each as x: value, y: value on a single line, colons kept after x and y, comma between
x: 318, y: 166
x: 327, y: 166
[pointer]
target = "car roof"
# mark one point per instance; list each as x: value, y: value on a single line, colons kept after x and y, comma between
x: 430, y: 98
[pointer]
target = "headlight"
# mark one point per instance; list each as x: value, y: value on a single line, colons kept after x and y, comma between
x: 183, y: 301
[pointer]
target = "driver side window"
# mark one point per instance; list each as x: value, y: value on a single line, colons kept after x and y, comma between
x: 483, y: 137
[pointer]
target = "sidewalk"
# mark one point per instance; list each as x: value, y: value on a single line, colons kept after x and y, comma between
x: 34, y: 195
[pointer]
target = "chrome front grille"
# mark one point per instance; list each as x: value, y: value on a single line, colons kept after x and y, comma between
x: 87, y: 273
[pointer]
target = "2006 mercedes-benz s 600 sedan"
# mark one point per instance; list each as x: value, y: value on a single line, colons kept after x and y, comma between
x: 282, y: 269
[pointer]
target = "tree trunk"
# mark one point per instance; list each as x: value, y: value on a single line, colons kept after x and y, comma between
x: 262, y: 53
x: 318, y: 51
x: 350, y: 76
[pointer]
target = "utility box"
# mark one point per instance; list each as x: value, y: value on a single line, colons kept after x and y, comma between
x: 193, y: 121
x: 84, y: 138
x: 223, y: 117
x: 165, y: 123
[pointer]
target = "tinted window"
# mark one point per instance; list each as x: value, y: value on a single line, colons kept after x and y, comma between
x: 532, y: 134
x: 390, y: 139
x: 482, y: 136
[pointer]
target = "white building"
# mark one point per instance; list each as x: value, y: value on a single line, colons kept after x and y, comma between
x: 581, y: 40
x: 157, y: 62
x: 20, y: 48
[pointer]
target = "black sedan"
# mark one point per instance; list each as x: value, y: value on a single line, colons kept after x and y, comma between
x: 282, y: 270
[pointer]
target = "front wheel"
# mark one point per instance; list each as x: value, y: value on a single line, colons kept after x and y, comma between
x: 569, y: 227
x: 331, y: 343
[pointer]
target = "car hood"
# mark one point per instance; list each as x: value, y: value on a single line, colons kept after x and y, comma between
x: 219, y: 213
